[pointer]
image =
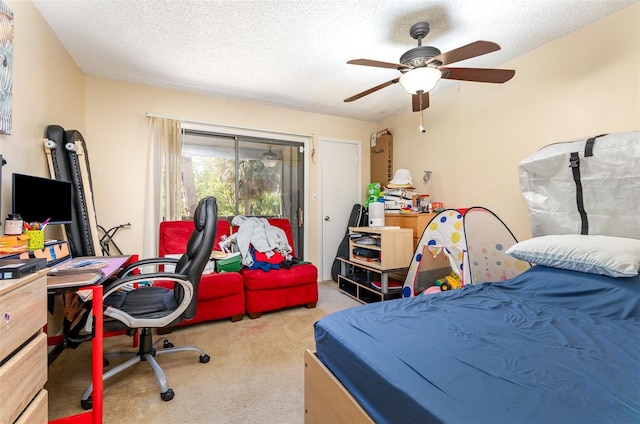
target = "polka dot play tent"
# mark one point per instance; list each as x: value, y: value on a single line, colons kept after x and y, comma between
x: 469, y: 245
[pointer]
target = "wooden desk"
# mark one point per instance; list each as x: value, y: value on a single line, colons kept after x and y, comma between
x: 65, y: 282
x: 63, y: 277
x: 23, y: 349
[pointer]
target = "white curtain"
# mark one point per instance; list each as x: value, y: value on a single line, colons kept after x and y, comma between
x: 164, y: 180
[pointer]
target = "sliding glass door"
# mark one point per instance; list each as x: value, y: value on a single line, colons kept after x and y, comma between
x: 248, y: 176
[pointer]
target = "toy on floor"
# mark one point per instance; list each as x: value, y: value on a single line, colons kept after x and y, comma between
x: 432, y: 290
x: 450, y: 282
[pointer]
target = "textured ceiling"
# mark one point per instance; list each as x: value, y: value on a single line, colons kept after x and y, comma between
x: 293, y: 53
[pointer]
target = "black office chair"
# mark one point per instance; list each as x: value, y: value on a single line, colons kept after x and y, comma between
x: 142, y: 306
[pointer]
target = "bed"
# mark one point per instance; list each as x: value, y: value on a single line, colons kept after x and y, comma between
x: 548, y: 346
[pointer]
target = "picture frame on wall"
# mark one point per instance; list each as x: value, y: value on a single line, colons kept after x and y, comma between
x: 6, y: 62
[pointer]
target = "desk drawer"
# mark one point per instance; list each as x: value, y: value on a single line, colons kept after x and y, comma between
x: 22, y: 377
x: 38, y: 410
x: 23, y: 312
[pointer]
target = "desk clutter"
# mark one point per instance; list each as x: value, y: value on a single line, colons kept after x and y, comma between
x: 21, y: 236
x: 53, y: 251
x: 17, y: 268
x: 14, y: 243
x: 18, y: 264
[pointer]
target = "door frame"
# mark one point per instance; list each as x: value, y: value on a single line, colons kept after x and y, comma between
x: 321, y: 182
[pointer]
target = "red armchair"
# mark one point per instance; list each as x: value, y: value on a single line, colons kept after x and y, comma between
x: 280, y: 288
x: 220, y: 295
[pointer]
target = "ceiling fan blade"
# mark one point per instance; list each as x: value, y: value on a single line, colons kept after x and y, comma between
x: 475, y: 49
x: 415, y: 101
x: 478, y: 74
x: 371, y: 90
x: 378, y: 64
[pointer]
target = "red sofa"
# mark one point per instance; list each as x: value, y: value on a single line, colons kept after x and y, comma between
x: 280, y: 288
x: 252, y: 291
x: 220, y: 295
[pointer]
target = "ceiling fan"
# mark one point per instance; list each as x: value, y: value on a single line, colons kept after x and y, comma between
x: 423, y: 66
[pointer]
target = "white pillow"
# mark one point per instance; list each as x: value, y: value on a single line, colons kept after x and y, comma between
x: 595, y: 254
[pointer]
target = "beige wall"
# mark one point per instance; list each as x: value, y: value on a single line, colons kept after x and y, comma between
x: 585, y: 83
x: 117, y: 137
x: 48, y: 88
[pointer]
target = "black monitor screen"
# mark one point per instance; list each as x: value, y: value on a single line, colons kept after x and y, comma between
x: 37, y: 199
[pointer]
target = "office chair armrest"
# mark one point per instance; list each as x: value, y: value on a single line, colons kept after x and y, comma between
x: 124, y: 272
x: 143, y: 279
x: 133, y: 322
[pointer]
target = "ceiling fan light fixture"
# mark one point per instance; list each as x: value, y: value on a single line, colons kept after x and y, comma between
x: 269, y: 159
x: 420, y: 79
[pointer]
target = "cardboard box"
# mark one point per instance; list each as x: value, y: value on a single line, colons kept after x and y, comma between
x: 381, y: 157
x: 54, y: 252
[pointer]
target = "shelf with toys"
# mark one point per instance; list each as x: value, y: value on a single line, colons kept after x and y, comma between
x: 375, y: 256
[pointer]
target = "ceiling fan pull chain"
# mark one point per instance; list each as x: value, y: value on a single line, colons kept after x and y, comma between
x: 421, y: 126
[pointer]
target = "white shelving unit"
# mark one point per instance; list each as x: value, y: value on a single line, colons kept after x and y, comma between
x: 366, y: 277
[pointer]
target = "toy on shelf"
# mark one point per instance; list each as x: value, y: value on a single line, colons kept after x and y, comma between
x: 374, y: 192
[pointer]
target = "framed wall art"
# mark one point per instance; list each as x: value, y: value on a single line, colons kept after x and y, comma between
x: 6, y: 61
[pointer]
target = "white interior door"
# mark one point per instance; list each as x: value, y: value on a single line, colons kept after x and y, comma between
x: 340, y: 190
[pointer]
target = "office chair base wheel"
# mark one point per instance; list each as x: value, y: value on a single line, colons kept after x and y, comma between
x: 87, y: 403
x: 204, y: 359
x: 167, y: 396
x: 167, y: 344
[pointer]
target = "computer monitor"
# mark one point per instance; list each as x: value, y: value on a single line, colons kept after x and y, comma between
x: 37, y: 199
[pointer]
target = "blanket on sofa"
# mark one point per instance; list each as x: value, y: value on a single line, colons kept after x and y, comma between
x: 264, y: 237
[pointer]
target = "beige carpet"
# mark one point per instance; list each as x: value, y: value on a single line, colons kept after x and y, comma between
x: 255, y: 374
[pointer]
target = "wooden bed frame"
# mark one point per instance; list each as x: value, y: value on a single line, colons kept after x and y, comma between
x: 325, y: 399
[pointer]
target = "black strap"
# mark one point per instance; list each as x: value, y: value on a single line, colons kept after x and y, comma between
x: 574, y: 164
x: 588, y: 147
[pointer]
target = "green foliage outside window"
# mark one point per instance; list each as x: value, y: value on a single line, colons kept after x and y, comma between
x: 259, y: 186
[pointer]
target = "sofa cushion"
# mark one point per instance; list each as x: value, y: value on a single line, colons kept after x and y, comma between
x: 273, y: 299
x: 297, y: 275
x: 174, y: 236
x: 217, y: 285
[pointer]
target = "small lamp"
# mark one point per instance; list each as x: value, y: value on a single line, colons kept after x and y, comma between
x: 420, y: 79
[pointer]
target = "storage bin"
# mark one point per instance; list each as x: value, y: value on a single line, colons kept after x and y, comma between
x: 231, y: 263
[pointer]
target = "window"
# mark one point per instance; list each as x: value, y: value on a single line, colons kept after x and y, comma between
x: 249, y: 176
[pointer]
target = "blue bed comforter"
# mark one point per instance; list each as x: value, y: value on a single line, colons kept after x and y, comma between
x: 549, y: 346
